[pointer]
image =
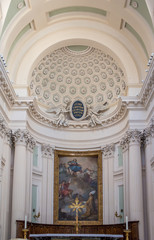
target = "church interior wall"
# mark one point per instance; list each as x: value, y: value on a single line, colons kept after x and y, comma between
x: 31, y: 131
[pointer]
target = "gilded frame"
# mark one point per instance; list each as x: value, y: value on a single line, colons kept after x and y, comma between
x: 92, y: 157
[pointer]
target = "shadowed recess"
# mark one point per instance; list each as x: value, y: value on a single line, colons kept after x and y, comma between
x: 77, y: 9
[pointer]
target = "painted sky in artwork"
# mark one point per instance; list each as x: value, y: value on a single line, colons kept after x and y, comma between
x: 78, y: 178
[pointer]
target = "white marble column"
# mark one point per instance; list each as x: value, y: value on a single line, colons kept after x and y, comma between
x: 48, y: 183
x: 6, y: 185
x: 108, y: 183
x: 135, y: 180
x: 124, y: 146
x: 149, y: 158
x: 29, y: 162
x: 5, y: 156
x: 2, y: 164
x: 19, y: 179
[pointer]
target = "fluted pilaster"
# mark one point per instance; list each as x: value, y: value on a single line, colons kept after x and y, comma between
x: 48, y: 182
x: 148, y: 135
x: 108, y: 168
x: 23, y: 141
x: 135, y: 179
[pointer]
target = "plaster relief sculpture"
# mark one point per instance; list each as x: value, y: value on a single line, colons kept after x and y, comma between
x: 94, y: 114
x: 60, y: 115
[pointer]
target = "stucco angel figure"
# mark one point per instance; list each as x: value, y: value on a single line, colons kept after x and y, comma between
x: 60, y: 114
x: 94, y: 114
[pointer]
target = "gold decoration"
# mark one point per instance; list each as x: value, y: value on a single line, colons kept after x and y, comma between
x: 118, y: 216
x: 25, y: 230
x: 77, y: 208
x: 57, y: 157
x: 127, y: 234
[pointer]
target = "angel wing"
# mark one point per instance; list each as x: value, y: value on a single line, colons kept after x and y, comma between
x: 100, y: 108
x: 54, y: 109
x: 57, y: 109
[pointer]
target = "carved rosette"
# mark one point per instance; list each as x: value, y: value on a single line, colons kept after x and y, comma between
x: 47, y: 150
x: 108, y: 150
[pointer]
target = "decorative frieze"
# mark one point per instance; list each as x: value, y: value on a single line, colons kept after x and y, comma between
x: 108, y: 150
x: 47, y: 150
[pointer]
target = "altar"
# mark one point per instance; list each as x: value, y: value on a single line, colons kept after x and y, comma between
x: 76, y: 236
x: 38, y: 231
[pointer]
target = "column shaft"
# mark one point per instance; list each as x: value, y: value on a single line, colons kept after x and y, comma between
x: 149, y: 155
x: 19, y: 186
x: 135, y: 181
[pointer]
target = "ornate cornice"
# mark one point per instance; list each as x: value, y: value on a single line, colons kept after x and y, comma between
x: 47, y: 150
x: 148, y: 86
x: 108, y: 150
x: 147, y: 91
x: 6, y: 88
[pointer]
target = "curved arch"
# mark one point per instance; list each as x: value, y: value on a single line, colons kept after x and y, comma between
x: 62, y: 35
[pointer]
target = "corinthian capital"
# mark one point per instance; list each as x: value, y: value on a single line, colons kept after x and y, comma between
x: 21, y: 136
x: 124, y: 143
x: 24, y: 137
x: 2, y: 127
x: 31, y: 142
x: 108, y: 150
x: 47, y: 150
x: 133, y: 136
x: 8, y: 135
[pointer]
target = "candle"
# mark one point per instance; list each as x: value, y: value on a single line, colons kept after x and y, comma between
x: 25, y: 222
x: 126, y: 223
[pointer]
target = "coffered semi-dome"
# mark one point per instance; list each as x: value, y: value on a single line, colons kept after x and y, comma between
x: 78, y: 72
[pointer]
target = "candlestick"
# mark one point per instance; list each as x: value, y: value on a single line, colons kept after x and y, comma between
x: 126, y: 223
x: 127, y: 232
x: 25, y: 233
x: 25, y: 222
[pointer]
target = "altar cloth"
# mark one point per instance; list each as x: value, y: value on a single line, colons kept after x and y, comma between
x: 94, y: 236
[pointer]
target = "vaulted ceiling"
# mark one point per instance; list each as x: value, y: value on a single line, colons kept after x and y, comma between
x: 32, y: 30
